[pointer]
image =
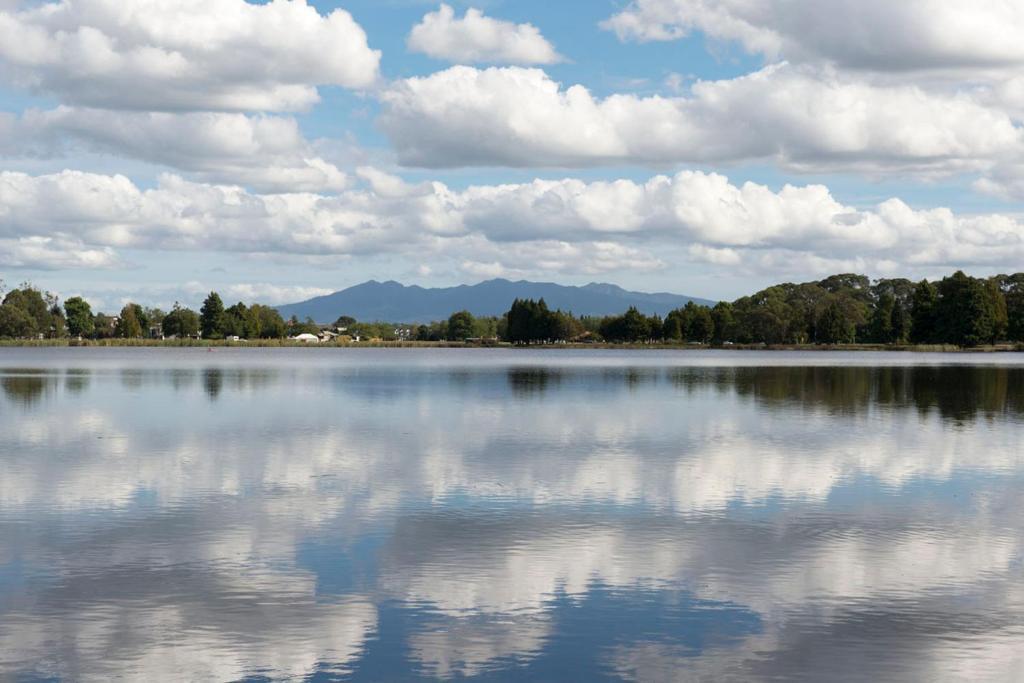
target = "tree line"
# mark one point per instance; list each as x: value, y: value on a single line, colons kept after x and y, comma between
x: 841, y: 309
x: 28, y: 312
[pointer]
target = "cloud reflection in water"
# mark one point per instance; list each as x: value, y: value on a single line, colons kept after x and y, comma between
x: 500, y: 517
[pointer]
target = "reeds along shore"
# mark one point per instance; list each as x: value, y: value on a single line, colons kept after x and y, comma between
x: 383, y: 344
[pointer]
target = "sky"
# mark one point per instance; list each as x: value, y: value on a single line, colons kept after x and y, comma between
x: 153, y: 150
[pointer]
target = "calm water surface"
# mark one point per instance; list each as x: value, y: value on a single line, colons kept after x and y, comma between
x: 398, y: 515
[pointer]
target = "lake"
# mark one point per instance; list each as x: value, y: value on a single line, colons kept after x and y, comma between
x: 397, y: 515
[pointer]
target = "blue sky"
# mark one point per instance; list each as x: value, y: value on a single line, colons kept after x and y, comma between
x: 706, y: 148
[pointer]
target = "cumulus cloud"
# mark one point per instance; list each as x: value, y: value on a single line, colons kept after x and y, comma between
x: 723, y: 219
x: 478, y: 38
x: 870, y: 34
x: 50, y: 253
x: 425, y: 220
x: 489, y: 259
x: 800, y: 117
x: 265, y: 153
x: 183, y: 54
x: 544, y: 226
x: 1005, y: 181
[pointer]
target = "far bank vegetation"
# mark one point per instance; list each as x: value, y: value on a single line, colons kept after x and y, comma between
x: 841, y: 310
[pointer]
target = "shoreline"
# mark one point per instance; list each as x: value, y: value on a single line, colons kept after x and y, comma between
x: 287, y: 344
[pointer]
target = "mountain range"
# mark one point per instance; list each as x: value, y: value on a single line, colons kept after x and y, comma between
x: 394, y: 302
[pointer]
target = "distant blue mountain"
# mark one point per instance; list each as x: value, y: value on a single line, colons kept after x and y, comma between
x: 394, y: 302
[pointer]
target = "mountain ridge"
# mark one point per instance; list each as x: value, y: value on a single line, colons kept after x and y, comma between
x: 391, y: 301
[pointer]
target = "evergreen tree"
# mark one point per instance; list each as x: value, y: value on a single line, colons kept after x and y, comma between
x: 965, y: 314
x: 530, y: 321
x: 923, y: 313
x: 998, y: 306
x: 702, y: 325
x: 1013, y: 287
x: 882, y: 320
x: 901, y: 324
x: 672, y: 328
x: 211, y: 317
x: 725, y: 323
x: 239, y: 321
x: 632, y: 326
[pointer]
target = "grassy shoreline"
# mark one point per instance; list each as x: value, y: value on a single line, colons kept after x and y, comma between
x: 285, y: 343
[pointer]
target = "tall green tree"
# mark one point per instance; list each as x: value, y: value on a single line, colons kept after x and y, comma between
x: 103, y: 326
x: 834, y: 325
x: 965, y: 312
x: 672, y: 328
x: 461, y: 325
x: 181, y: 322
x: 763, y: 318
x: 32, y: 302
x: 881, y: 320
x: 901, y: 324
x: 16, y: 323
x: 1013, y: 292
x: 923, y: 313
x: 998, y: 306
x: 58, y: 323
x: 142, y: 317
x: 211, y: 317
x: 725, y: 322
x: 702, y: 325
x: 128, y: 326
x: 631, y: 326
x: 240, y: 321
x: 79, y: 317
x: 487, y: 327
x: 271, y: 324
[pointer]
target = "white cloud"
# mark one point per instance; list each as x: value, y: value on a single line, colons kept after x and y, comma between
x: 266, y: 293
x: 421, y: 221
x: 1005, y: 181
x: 478, y: 38
x: 870, y: 34
x: 488, y: 259
x: 719, y: 256
x: 183, y: 54
x: 801, y: 118
x: 265, y: 153
x: 51, y: 253
x: 563, y: 226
